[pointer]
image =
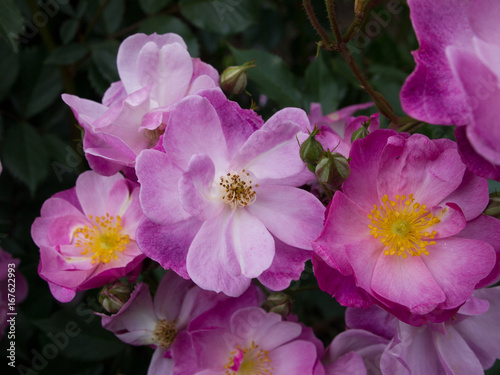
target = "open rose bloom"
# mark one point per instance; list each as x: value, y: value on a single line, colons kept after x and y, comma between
x: 221, y: 202
x: 457, y: 77
x: 155, y: 71
x: 233, y: 339
x: 407, y: 232
x: 466, y: 343
x: 86, y: 235
x: 158, y: 322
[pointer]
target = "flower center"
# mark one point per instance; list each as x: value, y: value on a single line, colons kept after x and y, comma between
x: 153, y: 135
x: 249, y: 361
x: 103, y: 239
x: 402, y: 226
x: 236, y: 189
x: 165, y: 333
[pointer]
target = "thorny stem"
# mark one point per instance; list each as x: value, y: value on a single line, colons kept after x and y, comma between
x: 332, y: 17
x: 359, y: 20
x: 327, y: 41
x: 341, y: 46
x: 380, y: 102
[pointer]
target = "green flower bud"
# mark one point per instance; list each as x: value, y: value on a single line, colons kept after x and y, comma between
x: 114, y: 295
x: 332, y: 170
x: 362, y: 132
x: 311, y: 150
x: 233, y: 79
x: 493, y: 208
x: 279, y: 303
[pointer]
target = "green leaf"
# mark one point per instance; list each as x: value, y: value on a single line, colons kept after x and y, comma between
x: 322, y: 86
x: 166, y: 24
x: 46, y: 89
x: 68, y: 30
x: 153, y: 6
x: 38, y: 85
x: 24, y: 155
x: 9, y: 63
x: 82, y: 335
x: 220, y: 16
x: 272, y: 76
x: 67, y: 55
x: 104, y: 58
x: 11, y: 22
x: 113, y: 15
x: 97, y: 81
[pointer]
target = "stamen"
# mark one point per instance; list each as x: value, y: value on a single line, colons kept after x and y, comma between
x: 249, y: 361
x: 402, y: 226
x: 236, y: 189
x: 165, y: 333
x: 103, y: 239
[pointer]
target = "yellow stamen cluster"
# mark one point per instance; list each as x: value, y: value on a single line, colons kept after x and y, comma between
x: 165, y: 333
x: 402, y: 226
x: 255, y: 361
x: 103, y: 240
x: 237, y: 189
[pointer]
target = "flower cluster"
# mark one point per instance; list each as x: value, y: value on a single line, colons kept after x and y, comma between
x: 186, y: 180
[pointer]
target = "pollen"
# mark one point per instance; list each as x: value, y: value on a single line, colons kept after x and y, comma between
x: 237, y: 189
x: 103, y: 240
x: 249, y: 361
x: 165, y: 333
x: 403, y: 226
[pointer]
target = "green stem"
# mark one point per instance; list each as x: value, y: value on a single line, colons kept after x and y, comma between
x: 359, y: 20
x: 380, y: 102
x: 332, y: 17
x: 315, y: 23
x: 408, y: 124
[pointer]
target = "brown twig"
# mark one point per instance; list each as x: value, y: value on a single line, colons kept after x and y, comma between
x: 327, y: 41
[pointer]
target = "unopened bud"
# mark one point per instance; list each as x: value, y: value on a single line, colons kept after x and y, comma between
x: 311, y: 150
x: 332, y: 170
x: 233, y: 79
x: 362, y: 132
x: 114, y: 295
x: 493, y: 208
x: 279, y: 303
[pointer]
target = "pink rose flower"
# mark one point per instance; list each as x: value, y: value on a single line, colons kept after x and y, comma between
x: 457, y: 77
x: 407, y: 232
x: 468, y: 342
x: 230, y: 339
x: 158, y: 322
x: 86, y: 234
x: 221, y: 203
x: 156, y: 71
